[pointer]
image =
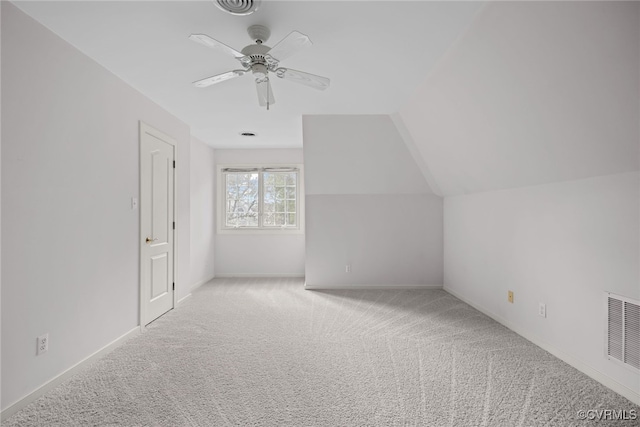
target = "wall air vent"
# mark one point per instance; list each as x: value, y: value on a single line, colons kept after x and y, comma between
x: 623, y: 330
x: 239, y: 7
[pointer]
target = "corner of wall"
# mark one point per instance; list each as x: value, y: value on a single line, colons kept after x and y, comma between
x: 562, y: 245
x: 595, y: 374
x: 405, y: 134
x: 359, y: 175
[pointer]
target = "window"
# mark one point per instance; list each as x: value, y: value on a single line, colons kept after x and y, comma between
x: 260, y: 198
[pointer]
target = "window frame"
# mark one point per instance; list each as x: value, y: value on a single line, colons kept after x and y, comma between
x: 221, y: 192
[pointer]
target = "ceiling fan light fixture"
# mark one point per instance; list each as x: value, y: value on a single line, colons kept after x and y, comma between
x: 260, y: 71
x: 239, y: 7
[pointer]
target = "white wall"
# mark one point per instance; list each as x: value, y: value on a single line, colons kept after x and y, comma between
x: 203, y: 212
x: 540, y: 98
x: 358, y: 154
x: 388, y: 239
x: 0, y: 210
x: 561, y: 244
x: 70, y: 165
x: 259, y: 254
x: 367, y: 205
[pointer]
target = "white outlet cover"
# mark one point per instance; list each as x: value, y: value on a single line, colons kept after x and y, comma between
x: 542, y: 310
x: 42, y: 344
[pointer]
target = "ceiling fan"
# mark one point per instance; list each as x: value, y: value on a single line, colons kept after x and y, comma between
x: 260, y: 59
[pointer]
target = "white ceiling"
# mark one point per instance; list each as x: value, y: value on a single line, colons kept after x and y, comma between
x: 376, y: 54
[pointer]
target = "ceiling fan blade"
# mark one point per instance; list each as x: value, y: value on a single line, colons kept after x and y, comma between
x: 311, y: 80
x: 265, y: 94
x: 215, y: 44
x: 218, y: 78
x: 289, y: 45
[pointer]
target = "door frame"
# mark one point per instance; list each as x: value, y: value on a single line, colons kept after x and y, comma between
x: 147, y: 131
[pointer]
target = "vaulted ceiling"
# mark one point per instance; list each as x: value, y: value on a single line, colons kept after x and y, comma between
x: 375, y: 53
x: 489, y: 95
x: 534, y: 93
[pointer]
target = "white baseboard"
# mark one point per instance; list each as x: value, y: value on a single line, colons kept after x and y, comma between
x: 193, y: 288
x: 200, y: 283
x: 602, y: 378
x: 74, y: 370
x: 368, y: 287
x: 181, y: 300
x: 256, y: 275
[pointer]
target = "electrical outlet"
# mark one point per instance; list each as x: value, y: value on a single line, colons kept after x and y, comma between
x: 43, y: 344
x: 542, y: 310
x: 347, y: 268
x: 510, y: 297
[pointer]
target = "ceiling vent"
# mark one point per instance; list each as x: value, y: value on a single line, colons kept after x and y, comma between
x: 239, y: 7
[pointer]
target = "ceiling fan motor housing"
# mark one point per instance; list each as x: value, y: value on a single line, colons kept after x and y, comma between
x: 257, y: 59
x: 256, y: 50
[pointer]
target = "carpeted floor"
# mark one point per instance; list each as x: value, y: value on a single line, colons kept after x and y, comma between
x: 265, y: 352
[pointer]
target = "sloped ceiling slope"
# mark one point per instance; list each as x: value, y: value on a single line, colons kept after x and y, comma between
x: 533, y: 93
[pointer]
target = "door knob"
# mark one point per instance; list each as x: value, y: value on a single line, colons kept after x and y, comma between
x: 151, y: 240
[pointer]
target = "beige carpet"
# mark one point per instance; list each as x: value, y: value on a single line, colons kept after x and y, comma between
x: 256, y: 352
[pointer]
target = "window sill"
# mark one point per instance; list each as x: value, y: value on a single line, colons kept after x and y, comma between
x: 248, y: 231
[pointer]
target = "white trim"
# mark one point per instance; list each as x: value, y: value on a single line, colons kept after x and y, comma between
x: 193, y: 288
x: 602, y: 378
x: 368, y: 287
x: 146, y: 129
x: 257, y: 275
x: 221, y: 190
x: 201, y: 282
x: 254, y: 231
x: 175, y: 220
x: 181, y: 300
x: 72, y: 371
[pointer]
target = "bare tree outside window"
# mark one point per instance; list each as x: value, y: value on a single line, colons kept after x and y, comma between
x: 261, y: 198
x: 242, y: 207
x: 280, y: 199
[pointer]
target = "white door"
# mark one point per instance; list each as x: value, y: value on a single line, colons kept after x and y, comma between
x: 157, y: 184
